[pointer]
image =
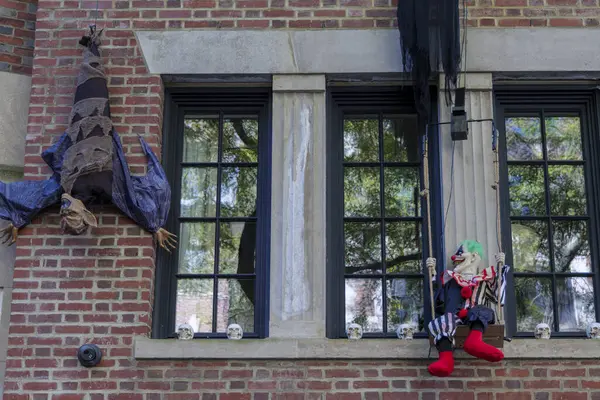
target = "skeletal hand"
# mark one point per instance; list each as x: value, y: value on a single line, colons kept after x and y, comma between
x: 165, y: 238
x: 9, y: 235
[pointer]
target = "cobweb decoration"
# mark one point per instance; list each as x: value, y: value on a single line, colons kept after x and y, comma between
x: 429, y: 37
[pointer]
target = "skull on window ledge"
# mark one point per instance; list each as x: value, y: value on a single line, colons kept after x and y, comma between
x: 405, y: 332
x: 542, y: 331
x: 354, y: 331
x: 185, y: 332
x: 593, y: 330
x: 235, y: 332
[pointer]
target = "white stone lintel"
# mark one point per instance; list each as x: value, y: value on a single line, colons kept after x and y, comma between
x: 371, y: 51
x: 299, y: 83
x: 471, y: 81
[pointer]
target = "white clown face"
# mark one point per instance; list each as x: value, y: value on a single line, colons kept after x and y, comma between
x: 354, y: 331
x: 405, y: 332
x: 185, y: 332
x: 235, y: 332
x: 542, y: 331
x: 466, y: 263
x: 593, y: 330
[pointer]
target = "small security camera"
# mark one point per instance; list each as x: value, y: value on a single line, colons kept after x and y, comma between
x: 89, y: 355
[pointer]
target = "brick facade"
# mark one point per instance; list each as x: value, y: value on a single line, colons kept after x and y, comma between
x: 99, y: 287
x: 17, y: 33
x: 121, y: 378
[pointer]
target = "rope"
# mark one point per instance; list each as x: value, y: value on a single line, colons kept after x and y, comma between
x: 431, y: 261
x: 96, y: 19
x: 500, y: 258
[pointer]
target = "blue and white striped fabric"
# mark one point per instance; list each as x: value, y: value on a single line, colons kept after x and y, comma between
x: 444, y: 326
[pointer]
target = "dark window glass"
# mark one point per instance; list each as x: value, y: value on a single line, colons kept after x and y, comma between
x: 379, y: 164
x: 217, y: 154
x: 549, y: 221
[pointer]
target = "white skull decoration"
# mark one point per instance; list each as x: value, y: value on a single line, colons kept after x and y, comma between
x: 235, y: 332
x: 542, y: 331
x: 354, y: 331
x: 593, y: 330
x: 185, y: 332
x: 405, y: 332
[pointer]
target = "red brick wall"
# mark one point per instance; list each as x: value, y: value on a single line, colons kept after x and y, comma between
x: 121, y: 378
x: 98, y: 287
x: 17, y: 30
x: 558, y: 13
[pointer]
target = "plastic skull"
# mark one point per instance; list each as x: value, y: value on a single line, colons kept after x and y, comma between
x: 185, y: 332
x: 593, y: 330
x: 542, y: 331
x: 235, y: 332
x: 354, y: 331
x: 405, y: 332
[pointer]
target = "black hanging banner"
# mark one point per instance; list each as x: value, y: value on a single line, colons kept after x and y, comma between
x: 429, y: 36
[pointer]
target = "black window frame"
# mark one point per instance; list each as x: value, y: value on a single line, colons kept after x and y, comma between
x: 178, y: 102
x: 374, y: 100
x: 580, y: 99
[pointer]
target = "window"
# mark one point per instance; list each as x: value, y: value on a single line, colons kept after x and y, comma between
x: 376, y: 229
x: 550, y: 173
x: 217, y: 156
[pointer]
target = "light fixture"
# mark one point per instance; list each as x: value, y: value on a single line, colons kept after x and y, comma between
x: 459, y: 126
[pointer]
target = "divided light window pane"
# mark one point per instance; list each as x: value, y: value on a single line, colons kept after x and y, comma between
x: 216, y: 278
x: 549, y: 222
x: 382, y: 222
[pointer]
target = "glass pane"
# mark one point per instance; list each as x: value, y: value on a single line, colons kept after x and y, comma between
x: 237, y: 254
x: 405, y: 303
x: 240, y: 139
x: 238, y: 191
x: 571, y: 247
x: 363, y: 248
x: 401, y: 139
x: 198, y: 192
x: 534, y: 303
x: 524, y: 138
x: 361, y: 192
x: 361, y: 140
x: 403, y: 247
x: 526, y: 188
x: 531, y: 252
x: 401, y: 186
x: 364, y: 304
x: 195, y: 304
x: 575, y: 299
x: 567, y: 190
x: 197, y: 248
x: 563, y: 138
x: 201, y: 139
x: 235, y: 304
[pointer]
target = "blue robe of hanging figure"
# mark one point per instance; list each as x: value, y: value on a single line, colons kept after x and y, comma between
x: 89, y: 167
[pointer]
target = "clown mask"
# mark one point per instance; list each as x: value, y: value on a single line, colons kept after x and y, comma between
x: 467, y: 259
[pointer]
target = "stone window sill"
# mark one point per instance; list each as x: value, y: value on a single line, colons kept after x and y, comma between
x: 264, y: 349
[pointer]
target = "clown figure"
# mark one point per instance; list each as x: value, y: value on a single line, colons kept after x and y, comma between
x: 466, y: 297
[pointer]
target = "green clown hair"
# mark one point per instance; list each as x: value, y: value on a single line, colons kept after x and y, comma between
x: 473, y: 246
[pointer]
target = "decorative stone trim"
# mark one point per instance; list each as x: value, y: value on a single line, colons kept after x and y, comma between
x: 345, y: 349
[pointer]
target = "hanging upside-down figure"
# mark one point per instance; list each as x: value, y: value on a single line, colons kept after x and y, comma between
x: 89, y: 166
x: 466, y: 297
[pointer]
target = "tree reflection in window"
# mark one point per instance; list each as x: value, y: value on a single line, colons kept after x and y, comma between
x: 549, y: 222
x: 382, y: 222
x: 217, y: 254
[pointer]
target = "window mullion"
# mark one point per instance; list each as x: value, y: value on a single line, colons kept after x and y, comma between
x: 217, y: 225
x: 382, y: 222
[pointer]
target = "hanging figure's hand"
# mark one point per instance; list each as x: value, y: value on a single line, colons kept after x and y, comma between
x: 9, y: 235
x: 165, y: 238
